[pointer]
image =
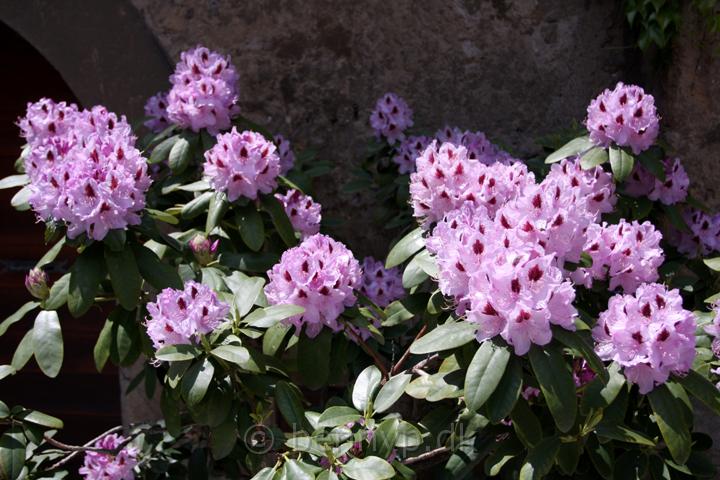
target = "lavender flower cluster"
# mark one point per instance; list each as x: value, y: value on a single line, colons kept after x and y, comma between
x: 106, y: 466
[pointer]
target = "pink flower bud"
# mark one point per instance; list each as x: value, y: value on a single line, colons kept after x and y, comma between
x: 203, y: 249
x: 36, y: 282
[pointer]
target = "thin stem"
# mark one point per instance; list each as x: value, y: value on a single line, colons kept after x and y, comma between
x: 77, y: 450
x: 427, y: 456
x: 406, y: 355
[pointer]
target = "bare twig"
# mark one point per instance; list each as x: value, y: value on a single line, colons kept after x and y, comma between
x: 418, y: 367
x: 397, y: 367
x: 376, y: 358
x: 85, y: 448
x: 432, y: 454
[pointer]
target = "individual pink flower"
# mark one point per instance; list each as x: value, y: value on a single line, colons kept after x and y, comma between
x: 649, y: 334
x: 179, y: 316
x: 594, y: 184
x: 156, y: 109
x: 287, y: 156
x: 319, y: 275
x: 703, y: 236
x: 242, y: 165
x: 669, y: 192
x: 530, y: 393
x: 629, y: 254
x: 477, y: 144
x: 410, y: 148
x: 625, y: 117
x: 106, y: 466
x: 46, y: 119
x: 391, y: 118
x: 582, y: 373
x: 304, y: 213
x: 446, y: 178
x: 204, y: 91
x: 381, y: 285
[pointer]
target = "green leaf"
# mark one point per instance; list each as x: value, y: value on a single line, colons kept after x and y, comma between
x: 232, y: 353
x: 556, y: 384
x: 17, y: 316
x: 525, y: 423
x: 384, y: 439
x: 447, y: 336
x: 652, y: 160
x: 601, y: 456
x: 621, y: 163
x: 267, y: 473
x: 181, y: 153
x: 223, y: 439
x: 572, y: 148
x: 674, y: 215
x: 59, y: 292
x: 306, y: 444
x: 196, y: 206
x: 247, y: 291
x: 594, y: 157
x: 101, y: 351
x: 196, y: 380
x: 314, y: 359
x: 161, y: 152
x: 622, y: 433
x: 51, y: 254
x: 408, y: 435
x: 540, y: 459
x: 259, y: 262
x: 23, y: 352
x: 115, y: 240
x: 599, y: 395
x: 413, y: 275
x: 501, y: 402
x: 273, y: 338
x: 6, y: 371
x: 288, y: 402
x: 368, y: 468
x: 296, y: 470
x: 176, y: 353
x: 575, y: 341
x: 251, y: 226
x: 712, y: 263
x: 391, y: 392
x: 269, y: 316
x: 280, y: 219
x: 338, y: 415
x: 124, y: 276
x: 12, y: 453
x: 670, y: 418
x: 85, y: 277
x: 161, y: 216
x: 42, y: 419
x: 14, y: 181
x: 48, y: 343
x: 568, y: 457
x: 171, y: 412
x: 701, y: 388
x: 484, y: 373
x: 367, y: 382
x: 405, y: 248
x: 219, y: 204
x: 20, y: 200
x: 157, y: 273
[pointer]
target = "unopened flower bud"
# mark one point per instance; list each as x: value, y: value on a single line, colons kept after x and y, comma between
x: 203, y: 249
x: 36, y: 281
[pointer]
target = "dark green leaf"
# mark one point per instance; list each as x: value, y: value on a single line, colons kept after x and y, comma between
x: 223, y: 439
x: 314, y: 359
x: 48, y: 343
x: 280, y: 219
x: 702, y: 389
x: 484, y: 373
x: 171, y: 412
x: 181, y: 153
x: 575, y: 341
x: 447, y: 336
x: 540, y: 459
x: 503, y: 399
x: 568, y: 457
x: 161, y: 151
x: 290, y: 406
x: 384, y: 439
x: 196, y: 380
x: 670, y: 418
x: 556, y: 383
x: 252, y: 229
x: 12, y: 453
x: 601, y: 456
x: 196, y: 206
x: 124, y: 276
x: 219, y: 204
x: 525, y: 423
x: 115, y: 240
x: 101, y: 352
x: 652, y: 160
x: 368, y: 468
x: 259, y: 262
x: 622, y: 433
x: 621, y: 163
x: 599, y: 395
x: 85, y: 277
x: 572, y: 148
x: 391, y: 392
x: 405, y: 248
x: 59, y: 292
x: 365, y: 386
x: 157, y: 273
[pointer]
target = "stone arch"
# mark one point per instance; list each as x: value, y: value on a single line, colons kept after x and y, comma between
x: 103, y: 50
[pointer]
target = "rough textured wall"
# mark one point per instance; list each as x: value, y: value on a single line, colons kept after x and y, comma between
x: 313, y: 70
x: 691, y: 105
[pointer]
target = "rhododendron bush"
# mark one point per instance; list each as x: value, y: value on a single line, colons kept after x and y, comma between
x: 535, y: 317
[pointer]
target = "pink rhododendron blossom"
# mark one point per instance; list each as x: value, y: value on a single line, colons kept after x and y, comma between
x: 391, y: 118
x: 594, y: 184
x: 156, y: 110
x: 381, y: 285
x: 319, y: 275
x: 628, y: 253
x: 304, y: 213
x: 179, y: 316
x: 204, y: 91
x: 106, y: 466
x: 582, y: 373
x: 88, y: 174
x: 203, y: 249
x: 410, y: 148
x: 669, y: 192
x: 477, y: 144
x: 649, y: 334
x: 287, y: 156
x: 530, y: 393
x: 36, y: 282
x: 446, y: 178
x: 625, y: 117
x: 46, y: 119
x: 242, y: 165
x: 703, y: 236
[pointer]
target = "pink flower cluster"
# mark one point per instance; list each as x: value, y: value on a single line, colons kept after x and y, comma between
x: 391, y: 117
x: 446, y: 178
x: 410, y: 149
x: 105, y: 466
x: 156, y: 111
x: 320, y: 275
x: 669, y: 192
x: 624, y: 116
x: 242, y: 164
x: 628, y: 253
x: 178, y: 316
x: 649, y: 334
x: 703, y: 236
x: 84, y: 168
x: 204, y: 91
x: 287, y: 156
x: 477, y: 144
x: 304, y: 213
x: 381, y: 285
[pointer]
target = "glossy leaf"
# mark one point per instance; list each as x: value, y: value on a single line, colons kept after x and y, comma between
x: 219, y: 204
x: 447, y: 336
x: 502, y: 401
x: 85, y: 277
x: 124, y: 276
x: 405, y: 248
x: 670, y: 419
x: 12, y: 453
x: 368, y: 468
x: 252, y: 228
x: 391, y: 392
x: 48, y: 343
x: 288, y: 402
x: 280, y: 219
x: 556, y: 384
x: 157, y: 273
x: 573, y: 147
x: 314, y: 359
x: 18, y: 315
x: 338, y: 415
x: 269, y: 316
x: 101, y: 351
x: 702, y: 389
x: 365, y: 386
x: 196, y: 380
x: 621, y: 163
x: 484, y: 373
x: 540, y: 459
x: 161, y: 152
